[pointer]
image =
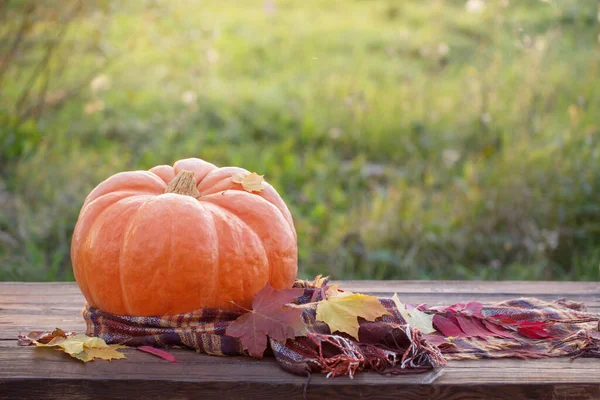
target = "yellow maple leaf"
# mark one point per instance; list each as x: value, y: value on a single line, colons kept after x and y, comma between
x: 106, y: 353
x: 415, y: 318
x: 341, y: 311
x: 251, y: 182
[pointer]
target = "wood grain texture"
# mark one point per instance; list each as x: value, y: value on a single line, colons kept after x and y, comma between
x: 27, y: 372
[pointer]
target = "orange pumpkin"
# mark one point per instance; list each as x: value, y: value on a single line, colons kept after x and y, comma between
x: 175, y: 239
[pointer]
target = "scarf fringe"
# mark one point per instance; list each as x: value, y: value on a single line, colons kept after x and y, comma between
x: 338, y: 355
x: 584, y: 345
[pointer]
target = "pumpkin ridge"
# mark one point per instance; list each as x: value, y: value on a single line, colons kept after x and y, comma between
x: 217, y: 275
x: 80, y: 236
x: 247, y: 226
x: 289, y: 222
x: 140, y: 181
x: 208, y: 198
x: 255, y: 196
x: 209, y: 183
x: 124, y: 242
x: 218, y: 187
x: 172, y: 254
x: 196, y: 163
x: 132, y: 193
x: 267, y: 253
x: 156, y: 171
x: 95, y: 226
x: 242, y: 221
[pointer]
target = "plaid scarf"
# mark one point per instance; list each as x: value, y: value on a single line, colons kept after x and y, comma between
x: 525, y: 328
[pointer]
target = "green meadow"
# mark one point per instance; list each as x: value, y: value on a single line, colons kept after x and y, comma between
x: 411, y: 139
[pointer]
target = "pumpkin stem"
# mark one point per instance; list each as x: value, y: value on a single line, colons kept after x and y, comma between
x: 184, y: 183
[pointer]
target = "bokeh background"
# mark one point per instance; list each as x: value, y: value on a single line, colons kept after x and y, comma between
x: 412, y: 139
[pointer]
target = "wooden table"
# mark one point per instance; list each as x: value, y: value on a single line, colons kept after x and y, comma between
x: 26, y: 372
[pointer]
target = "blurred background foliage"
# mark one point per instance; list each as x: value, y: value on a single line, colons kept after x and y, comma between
x: 412, y: 139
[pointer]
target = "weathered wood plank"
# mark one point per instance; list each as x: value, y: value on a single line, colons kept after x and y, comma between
x: 45, y: 373
x: 508, y: 287
x: 53, y: 369
x: 131, y: 389
x: 9, y: 350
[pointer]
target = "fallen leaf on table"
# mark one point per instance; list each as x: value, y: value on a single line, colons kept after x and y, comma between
x: 79, y: 346
x: 270, y: 316
x: 341, y: 311
x: 42, y: 336
x: 250, y: 182
x: 415, y: 318
x: 159, y: 353
x: 104, y: 353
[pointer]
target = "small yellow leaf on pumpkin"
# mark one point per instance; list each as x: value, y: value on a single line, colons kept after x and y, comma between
x: 251, y: 182
x: 341, y: 311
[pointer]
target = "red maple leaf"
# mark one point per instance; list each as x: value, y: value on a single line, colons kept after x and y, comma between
x: 530, y: 329
x: 472, y: 308
x: 270, y: 316
x: 159, y: 353
x: 534, y: 329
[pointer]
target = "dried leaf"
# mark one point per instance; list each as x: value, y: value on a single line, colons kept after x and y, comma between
x: 498, y: 330
x: 269, y: 317
x: 530, y: 329
x: 23, y: 340
x: 437, y: 339
x: 448, y: 325
x: 467, y: 324
x: 316, y: 283
x: 533, y: 329
x: 159, y: 353
x: 81, y: 347
x: 415, y: 318
x: 104, y: 353
x: 42, y: 336
x: 472, y: 308
x: 473, y: 327
x: 28, y: 339
x: 251, y: 182
x: 341, y: 311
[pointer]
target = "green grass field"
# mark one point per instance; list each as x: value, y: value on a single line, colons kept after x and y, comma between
x: 415, y: 139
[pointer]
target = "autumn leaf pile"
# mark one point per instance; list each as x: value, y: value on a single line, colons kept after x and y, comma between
x: 270, y: 316
x: 465, y: 320
x: 84, y: 348
x: 79, y: 346
x: 275, y: 315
